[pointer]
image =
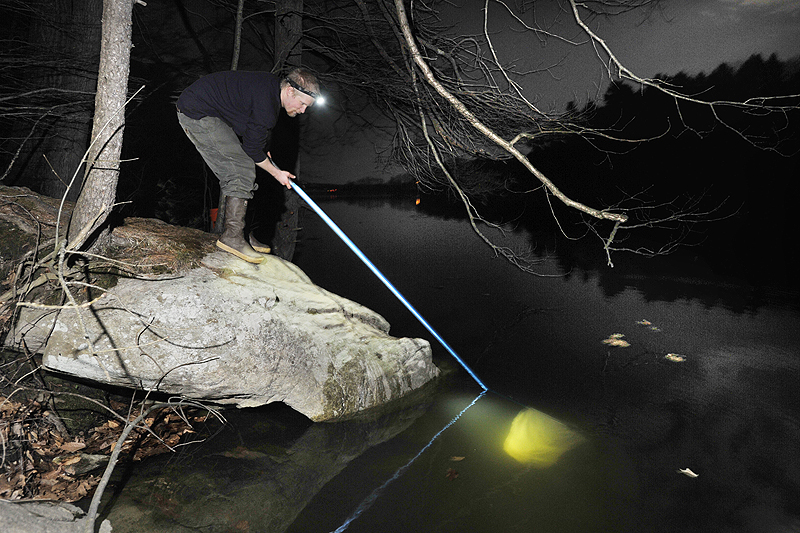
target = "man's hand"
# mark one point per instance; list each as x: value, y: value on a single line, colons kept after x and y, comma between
x: 283, y: 177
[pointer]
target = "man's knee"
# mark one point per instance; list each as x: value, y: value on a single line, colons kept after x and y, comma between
x: 239, y: 187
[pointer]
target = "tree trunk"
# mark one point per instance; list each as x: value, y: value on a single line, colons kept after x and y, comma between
x: 102, y: 163
x: 69, y: 35
x: 237, y: 35
x: 288, y: 54
x: 218, y: 226
x: 288, y: 34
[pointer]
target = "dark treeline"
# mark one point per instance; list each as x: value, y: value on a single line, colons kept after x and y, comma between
x: 666, y: 156
x: 750, y: 184
x: 680, y: 146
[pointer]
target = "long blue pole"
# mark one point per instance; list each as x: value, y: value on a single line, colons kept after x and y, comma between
x: 385, y: 281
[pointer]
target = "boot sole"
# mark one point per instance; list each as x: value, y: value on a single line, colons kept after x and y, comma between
x: 237, y: 253
x: 257, y: 246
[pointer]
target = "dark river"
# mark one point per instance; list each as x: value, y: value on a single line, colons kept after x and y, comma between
x: 633, y: 399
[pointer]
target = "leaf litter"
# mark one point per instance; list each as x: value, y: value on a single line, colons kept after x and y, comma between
x: 40, y: 460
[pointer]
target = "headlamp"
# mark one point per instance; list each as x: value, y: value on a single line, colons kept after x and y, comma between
x: 318, y: 98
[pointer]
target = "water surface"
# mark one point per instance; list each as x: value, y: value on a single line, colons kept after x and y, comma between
x: 693, y: 425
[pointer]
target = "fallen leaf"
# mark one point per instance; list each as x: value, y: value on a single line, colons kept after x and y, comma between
x: 457, y: 458
x: 59, y: 487
x: 51, y: 475
x: 71, y: 460
x: 687, y: 472
x: 72, y: 446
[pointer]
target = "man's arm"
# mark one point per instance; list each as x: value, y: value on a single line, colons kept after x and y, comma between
x: 283, y: 177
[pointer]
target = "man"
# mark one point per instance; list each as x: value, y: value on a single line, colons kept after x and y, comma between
x: 218, y: 109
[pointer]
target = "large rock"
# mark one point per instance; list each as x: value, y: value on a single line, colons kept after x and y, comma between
x: 235, y: 333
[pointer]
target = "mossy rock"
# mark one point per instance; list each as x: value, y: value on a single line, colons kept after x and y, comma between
x: 154, y: 247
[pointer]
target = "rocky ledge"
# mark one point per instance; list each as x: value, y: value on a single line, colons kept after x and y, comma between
x: 235, y: 333
x: 229, y: 332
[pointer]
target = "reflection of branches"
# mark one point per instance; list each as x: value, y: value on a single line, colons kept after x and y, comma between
x: 676, y: 217
x: 177, y: 406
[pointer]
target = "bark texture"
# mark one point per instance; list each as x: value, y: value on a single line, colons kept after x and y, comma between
x: 288, y: 55
x: 103, y: 160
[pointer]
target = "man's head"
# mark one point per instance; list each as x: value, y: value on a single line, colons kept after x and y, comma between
x: 299, y: 91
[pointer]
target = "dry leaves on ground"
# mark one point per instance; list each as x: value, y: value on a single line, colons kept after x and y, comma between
x: 40, y: 461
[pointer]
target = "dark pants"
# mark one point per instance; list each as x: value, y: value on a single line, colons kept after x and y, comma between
x: 223, y: 153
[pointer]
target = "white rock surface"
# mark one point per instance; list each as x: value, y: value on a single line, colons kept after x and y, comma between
x: 235, y: 333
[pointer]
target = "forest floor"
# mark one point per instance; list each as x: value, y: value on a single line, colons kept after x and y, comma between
x: 56, y: 436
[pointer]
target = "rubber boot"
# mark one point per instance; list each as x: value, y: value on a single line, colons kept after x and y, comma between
x: 232, y: 239
x: 258, y: 246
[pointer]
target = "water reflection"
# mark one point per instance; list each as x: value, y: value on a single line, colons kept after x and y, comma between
x: 745, y: 283
x: 256, y: 475
x: 400, y: 471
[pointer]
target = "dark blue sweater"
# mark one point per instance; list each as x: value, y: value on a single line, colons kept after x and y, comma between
x: 249, y: 102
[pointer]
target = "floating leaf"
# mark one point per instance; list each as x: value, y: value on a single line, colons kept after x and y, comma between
x: 675, y: 358
x: 615, y: 339
x: 644, y: 322
x: 687, y: 472
x: 451, y: 474
x: 457, y: 458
